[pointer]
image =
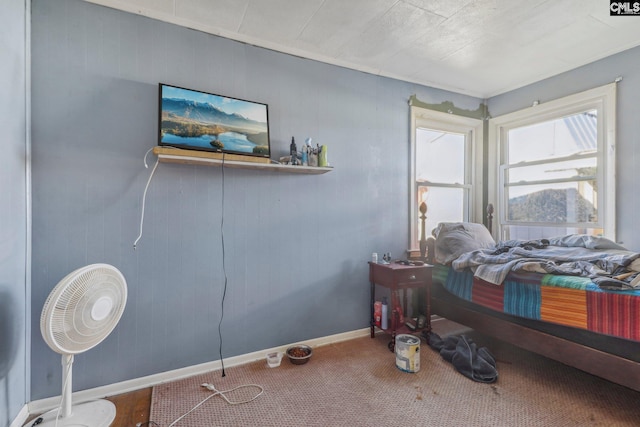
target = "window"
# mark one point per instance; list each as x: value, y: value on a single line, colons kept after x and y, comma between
x: 553, y: 167
x: 443, y: 172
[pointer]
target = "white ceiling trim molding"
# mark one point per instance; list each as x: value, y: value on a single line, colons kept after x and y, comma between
x: 473, y: 47
x: 187, y: 23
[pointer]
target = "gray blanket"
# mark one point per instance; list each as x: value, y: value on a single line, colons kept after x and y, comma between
x: 574, y: 255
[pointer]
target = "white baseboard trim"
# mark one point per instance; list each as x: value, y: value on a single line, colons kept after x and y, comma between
x: 44, y: 405
x: 21, y: 418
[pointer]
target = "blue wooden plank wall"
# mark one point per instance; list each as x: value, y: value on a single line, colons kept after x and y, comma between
x: 296, y: 246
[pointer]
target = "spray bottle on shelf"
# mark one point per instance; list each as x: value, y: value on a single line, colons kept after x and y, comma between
x: 306, y: 151
x: 385, y: 314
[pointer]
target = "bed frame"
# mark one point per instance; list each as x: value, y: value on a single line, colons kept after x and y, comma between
x: 611, y: 367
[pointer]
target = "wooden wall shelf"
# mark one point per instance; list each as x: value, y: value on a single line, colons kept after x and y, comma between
x: 174, y: 155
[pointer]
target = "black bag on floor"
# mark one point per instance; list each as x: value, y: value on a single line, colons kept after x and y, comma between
x: 471, y: 361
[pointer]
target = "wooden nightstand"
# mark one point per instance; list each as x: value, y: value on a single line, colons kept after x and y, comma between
x: 398, y: 278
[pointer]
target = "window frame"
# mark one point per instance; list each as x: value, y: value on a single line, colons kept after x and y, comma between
x: 602, y: 99
x: 447, y: 122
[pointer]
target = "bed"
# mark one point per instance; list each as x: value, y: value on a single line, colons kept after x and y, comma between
x: 573, y: 299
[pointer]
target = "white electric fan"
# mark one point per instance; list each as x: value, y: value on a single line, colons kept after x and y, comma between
x: 79, y: 313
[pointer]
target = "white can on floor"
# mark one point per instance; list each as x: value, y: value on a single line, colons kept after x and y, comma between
x: 408, y: 353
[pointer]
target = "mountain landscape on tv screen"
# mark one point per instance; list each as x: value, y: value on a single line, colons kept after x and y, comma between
x: 190, y: 122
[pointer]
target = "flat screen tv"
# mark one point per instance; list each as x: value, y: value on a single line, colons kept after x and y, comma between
x: 195, y: 120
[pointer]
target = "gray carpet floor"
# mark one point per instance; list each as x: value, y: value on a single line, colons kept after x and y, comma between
x: 357, y: 383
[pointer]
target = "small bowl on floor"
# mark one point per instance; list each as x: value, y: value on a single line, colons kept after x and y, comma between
x: 299, y: 354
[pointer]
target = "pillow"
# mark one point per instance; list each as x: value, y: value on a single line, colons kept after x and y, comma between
x: 455, y: 238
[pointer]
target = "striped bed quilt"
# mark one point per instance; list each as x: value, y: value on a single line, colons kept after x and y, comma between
x: 566, y: 300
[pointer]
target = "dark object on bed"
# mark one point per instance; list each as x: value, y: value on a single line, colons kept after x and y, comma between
x: 612, y: 358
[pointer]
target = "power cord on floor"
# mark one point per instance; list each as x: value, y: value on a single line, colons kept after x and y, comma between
x: 221, y: 394
x: 208, y: 386
x: 217, y: 392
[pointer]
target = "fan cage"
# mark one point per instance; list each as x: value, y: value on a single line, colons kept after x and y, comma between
x: 67, y: 323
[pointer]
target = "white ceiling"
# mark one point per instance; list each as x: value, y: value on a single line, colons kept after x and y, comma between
x: 476, y: 47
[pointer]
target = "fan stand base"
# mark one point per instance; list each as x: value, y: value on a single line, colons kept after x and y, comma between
x: 97, y: 413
